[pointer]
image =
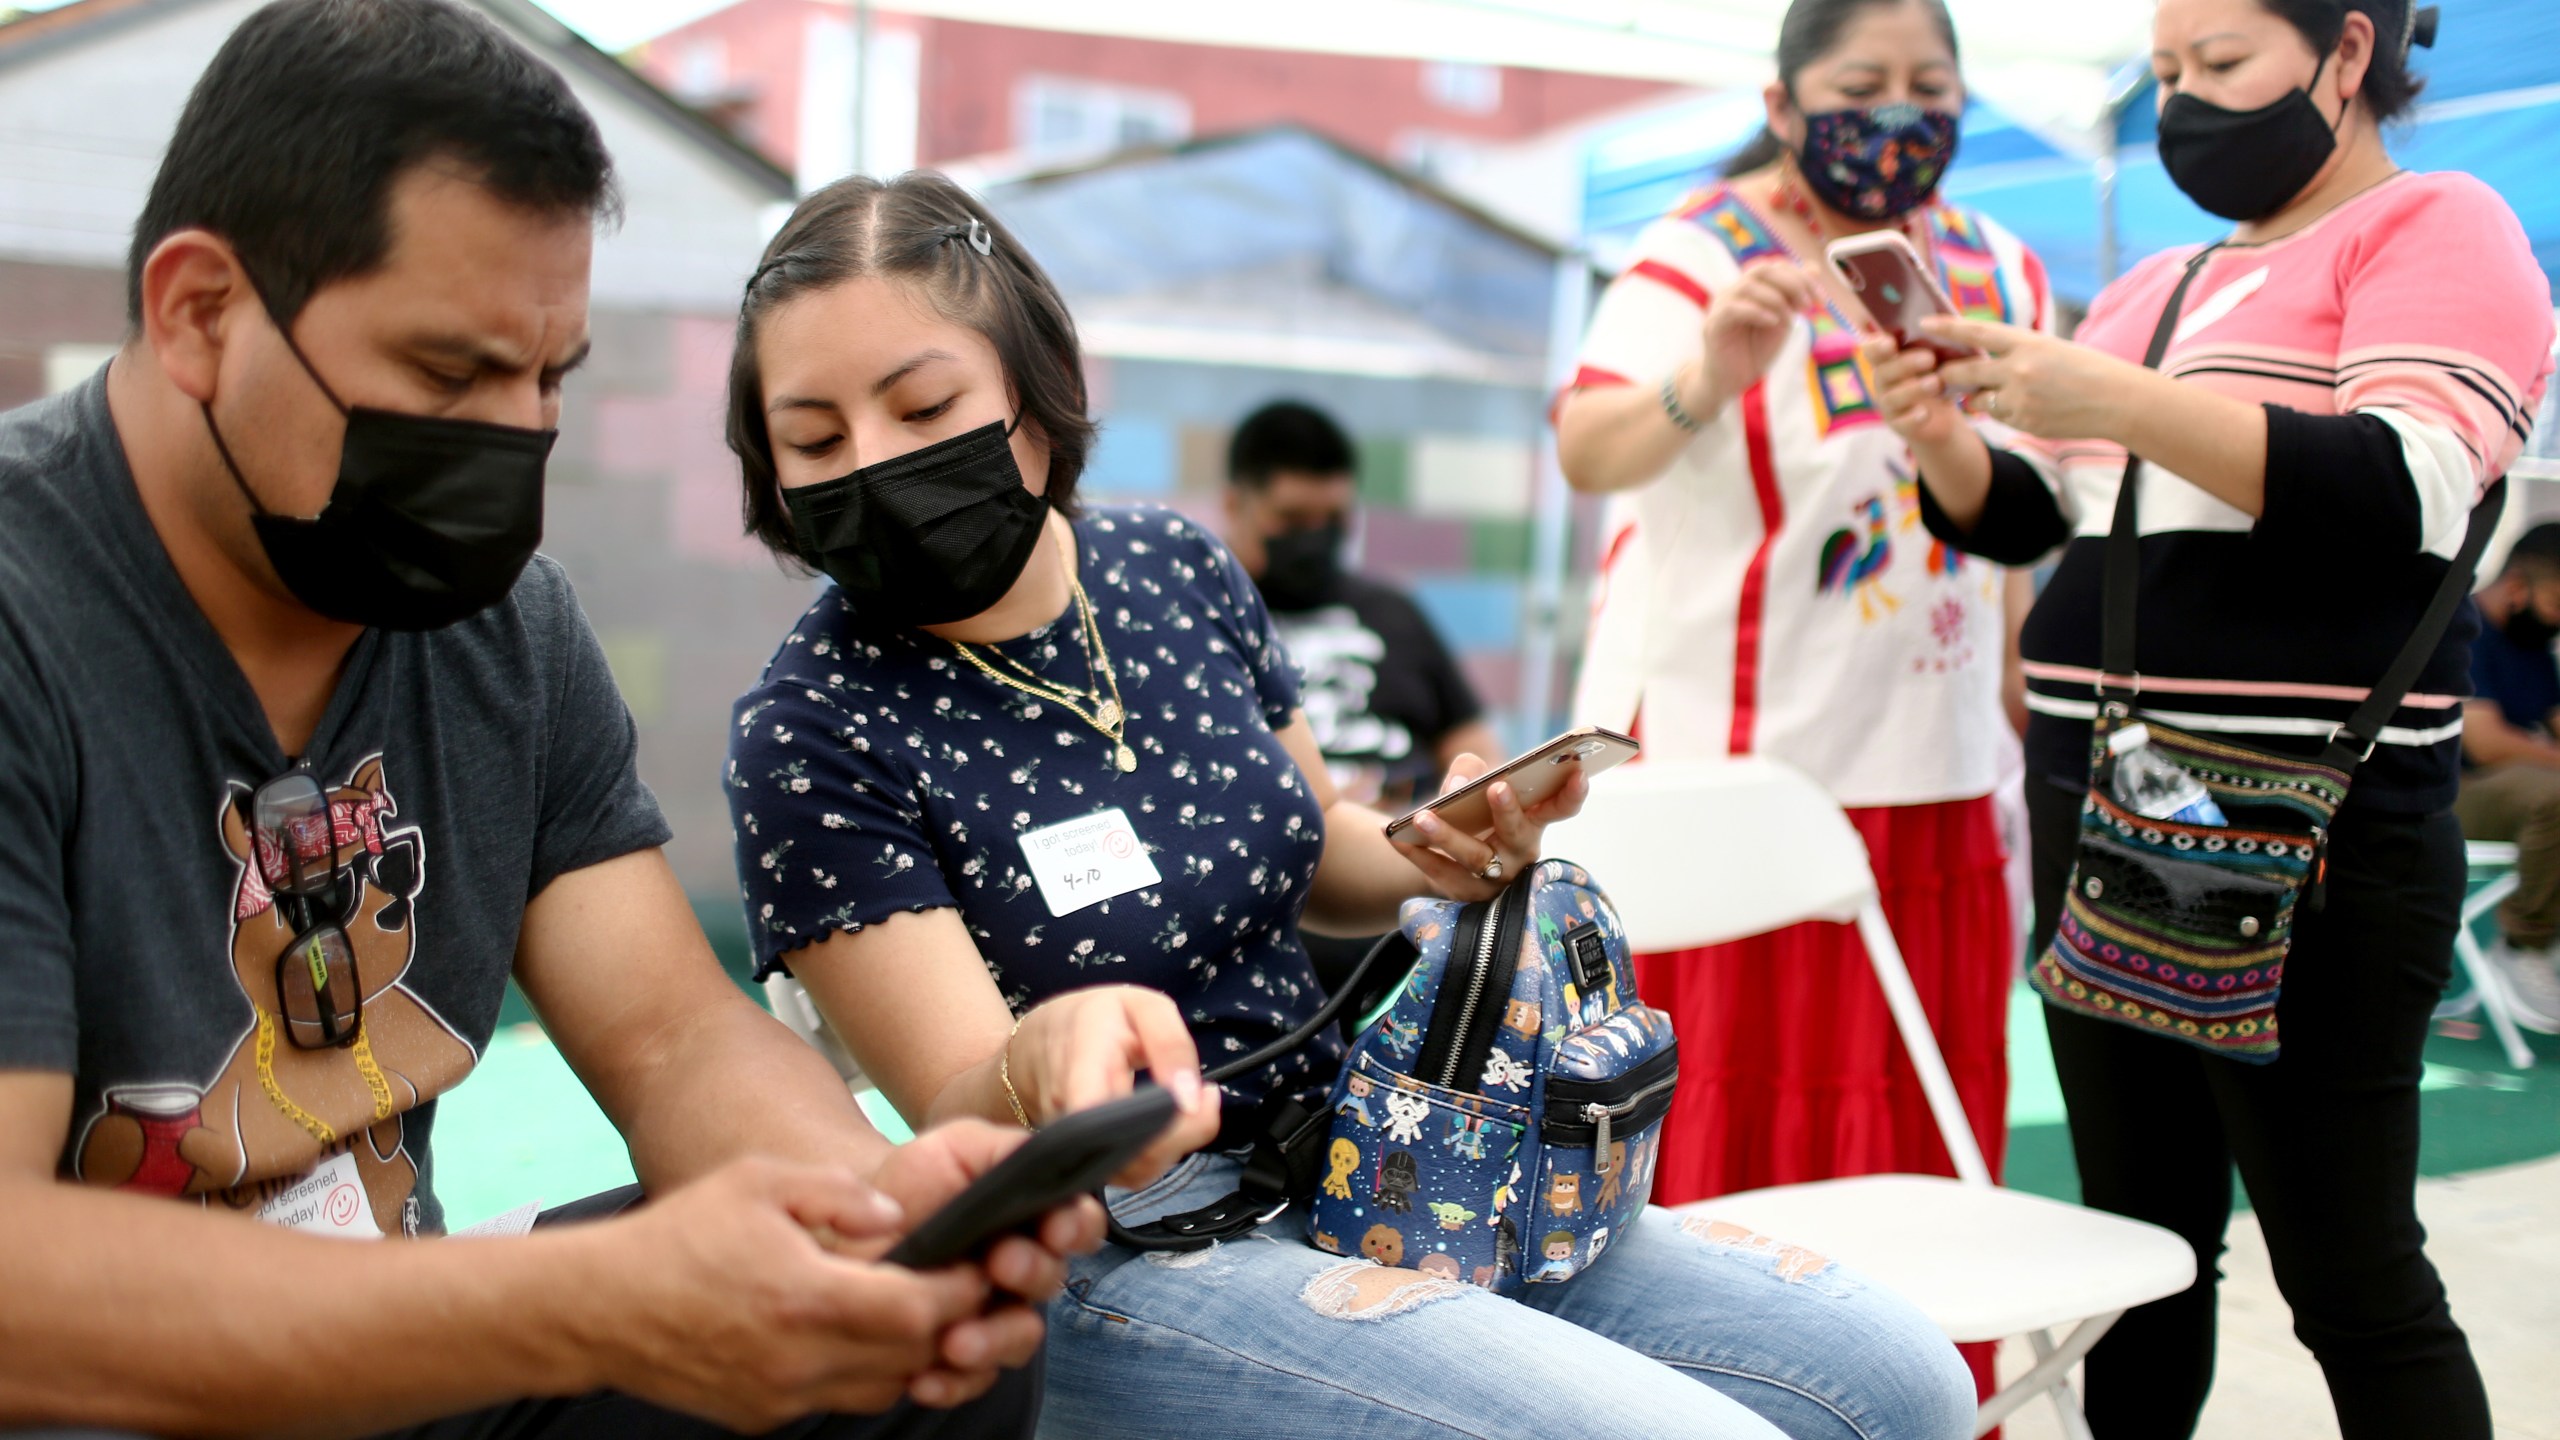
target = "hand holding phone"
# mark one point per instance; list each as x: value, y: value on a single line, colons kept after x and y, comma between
x: 1897, y: 289
x: 1534, y: 777
x: 1071, y: 1156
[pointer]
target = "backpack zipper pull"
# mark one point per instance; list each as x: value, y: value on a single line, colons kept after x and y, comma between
x: 1598, y: 1114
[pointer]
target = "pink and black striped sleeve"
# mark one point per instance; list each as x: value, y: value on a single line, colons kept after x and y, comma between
x: 2437, y: 382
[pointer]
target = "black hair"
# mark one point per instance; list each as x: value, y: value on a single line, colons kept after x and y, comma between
x: 2536, y: 556
x: 1287, y: 435
x: 290, y: 142
x: 1810, y: 31
x: 926, y: 232
x: 2390, y: 87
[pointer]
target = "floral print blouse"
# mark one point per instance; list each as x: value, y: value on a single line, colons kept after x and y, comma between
x: 877, y: 772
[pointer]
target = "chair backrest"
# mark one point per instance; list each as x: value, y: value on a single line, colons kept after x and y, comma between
x: 1702, y: 852
x: 793, y: 1006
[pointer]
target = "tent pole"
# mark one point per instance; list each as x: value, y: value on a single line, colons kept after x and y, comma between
x: 1551, y: 515
x: 2110, y: 243
x: 861, y: 86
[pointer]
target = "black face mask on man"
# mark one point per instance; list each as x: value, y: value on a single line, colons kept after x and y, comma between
x: 1302, y: 569
x: 2246, y: 165
x: 430, y: 522
x: 2525, y: 628
x: 932, y: 536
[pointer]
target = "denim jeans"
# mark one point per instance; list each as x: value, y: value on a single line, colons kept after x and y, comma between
x: 1682, y: 1330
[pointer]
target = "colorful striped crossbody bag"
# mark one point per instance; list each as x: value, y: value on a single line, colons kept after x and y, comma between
x: 2180, y: 926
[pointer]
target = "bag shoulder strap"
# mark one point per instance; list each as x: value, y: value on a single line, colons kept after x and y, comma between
x: 2124, y: 539
x: 2354, y: 741
x: 1288, y: 1138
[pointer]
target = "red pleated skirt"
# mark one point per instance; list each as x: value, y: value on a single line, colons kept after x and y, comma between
x: 1790, y: 1068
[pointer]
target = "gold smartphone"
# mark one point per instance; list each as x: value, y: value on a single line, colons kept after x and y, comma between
x: 1534, y: 777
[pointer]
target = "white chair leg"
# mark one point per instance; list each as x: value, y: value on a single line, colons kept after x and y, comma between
x: 2066, y: 1401
x: 2492, y: 989
x: 2052, y: 1373
x: 1921, y: 1044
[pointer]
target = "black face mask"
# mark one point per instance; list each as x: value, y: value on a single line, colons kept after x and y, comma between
x: 1302, y: 569
x: 431, y: 520
x: 2529, y: 631
x: 935, y: 535
x: 2247, y: 164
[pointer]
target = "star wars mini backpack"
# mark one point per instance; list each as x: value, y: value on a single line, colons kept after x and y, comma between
x: 1501, y: 1121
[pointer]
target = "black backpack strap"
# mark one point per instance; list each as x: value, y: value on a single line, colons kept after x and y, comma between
x: 1287, y: 1159
x: 2124, y: 541
x: 2354, y: 742
x: 1286, y: 1163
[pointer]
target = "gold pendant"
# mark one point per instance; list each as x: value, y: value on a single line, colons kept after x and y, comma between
x: 1108, y: 716
x: 1125, y: 758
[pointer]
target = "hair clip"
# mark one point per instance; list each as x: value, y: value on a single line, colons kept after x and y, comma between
x: 975, y: 232
x: 2421, y: 30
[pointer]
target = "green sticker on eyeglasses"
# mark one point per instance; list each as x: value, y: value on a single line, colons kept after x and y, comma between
x: 316, y: 954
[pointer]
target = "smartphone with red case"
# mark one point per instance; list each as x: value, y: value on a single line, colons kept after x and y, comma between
x: 1895, y: 286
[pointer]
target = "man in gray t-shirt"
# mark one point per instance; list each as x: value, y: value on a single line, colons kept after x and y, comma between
x: 303, y: 753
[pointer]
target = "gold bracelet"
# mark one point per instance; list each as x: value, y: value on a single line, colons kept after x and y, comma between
x: 1004, y: 1072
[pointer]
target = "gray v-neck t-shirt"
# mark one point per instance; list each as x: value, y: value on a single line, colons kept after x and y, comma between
x: 467, y: 768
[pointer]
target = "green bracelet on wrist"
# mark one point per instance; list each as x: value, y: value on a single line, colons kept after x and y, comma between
x: 1672, y: 407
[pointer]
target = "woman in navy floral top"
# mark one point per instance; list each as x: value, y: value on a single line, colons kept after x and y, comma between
x: 1026, y: 802
x: 874, y: 774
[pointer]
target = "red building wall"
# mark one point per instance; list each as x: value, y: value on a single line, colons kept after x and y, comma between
x: 759, y: 42
x: 970, y: 75
x: 970, y: 72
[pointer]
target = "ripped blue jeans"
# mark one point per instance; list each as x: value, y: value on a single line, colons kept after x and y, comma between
x: 1684, y: 1329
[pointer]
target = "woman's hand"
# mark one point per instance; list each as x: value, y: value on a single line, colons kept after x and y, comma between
x: 1911, y: 394
x: 1746, y: 328
x: 2039, y: 384
x: 1456, y: 863
x: 1086, y: 1046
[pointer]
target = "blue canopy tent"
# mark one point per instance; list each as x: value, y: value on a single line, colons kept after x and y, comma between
x: 2491, y: 107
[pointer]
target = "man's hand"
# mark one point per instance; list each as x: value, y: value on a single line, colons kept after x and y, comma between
x: 926, y: 1172
x: 730, y: 1302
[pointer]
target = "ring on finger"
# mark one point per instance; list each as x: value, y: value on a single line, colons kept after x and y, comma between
x: 1492, y: 869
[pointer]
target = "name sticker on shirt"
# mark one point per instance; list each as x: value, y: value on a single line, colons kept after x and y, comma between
x: 1084, y: 862
x: 329, y: 1201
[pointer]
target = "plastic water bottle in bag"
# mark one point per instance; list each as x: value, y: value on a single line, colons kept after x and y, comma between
x: 2156, y: 787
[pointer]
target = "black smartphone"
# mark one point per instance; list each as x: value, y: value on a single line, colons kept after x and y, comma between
x: 1073, y: 1155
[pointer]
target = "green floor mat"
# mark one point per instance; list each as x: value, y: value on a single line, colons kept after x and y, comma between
x: 524, y: 1129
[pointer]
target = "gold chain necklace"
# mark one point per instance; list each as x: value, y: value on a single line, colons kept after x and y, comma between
x: 320, y: 1129
x: 1107, y: 714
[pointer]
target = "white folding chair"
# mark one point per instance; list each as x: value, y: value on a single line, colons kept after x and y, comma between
x: 2488, y: 987
x: 792, y: 1006
x: 1703, y: 853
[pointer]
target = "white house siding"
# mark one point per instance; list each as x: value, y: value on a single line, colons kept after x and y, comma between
x: 643, y: 506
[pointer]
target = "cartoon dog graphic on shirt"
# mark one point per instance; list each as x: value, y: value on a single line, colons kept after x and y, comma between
x: 273, y: 1104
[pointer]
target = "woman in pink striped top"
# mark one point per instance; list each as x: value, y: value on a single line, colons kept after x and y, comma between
x: 2354, y: 366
